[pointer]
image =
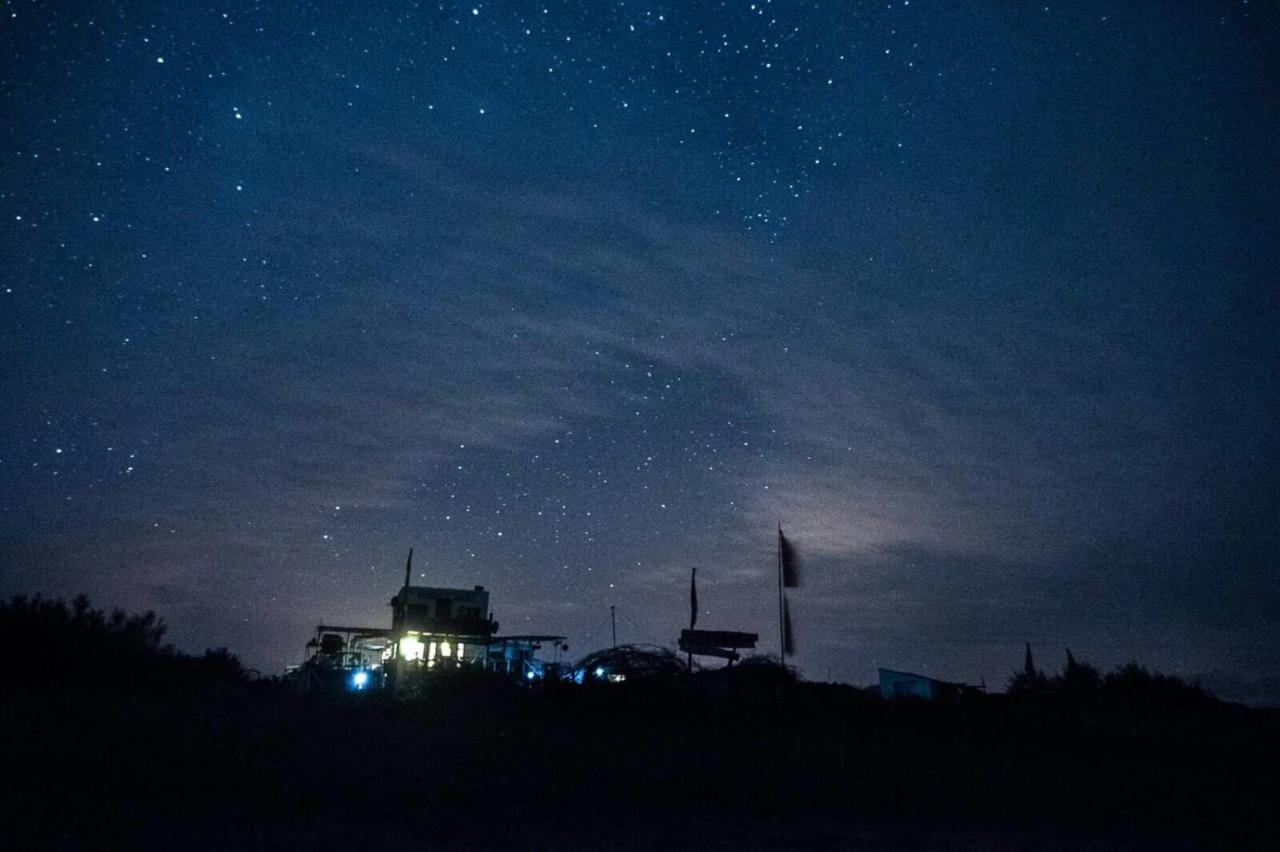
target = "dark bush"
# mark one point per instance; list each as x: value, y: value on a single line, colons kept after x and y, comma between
x: 77, y: 645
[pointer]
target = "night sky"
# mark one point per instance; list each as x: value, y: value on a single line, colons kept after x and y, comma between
x: 977, y: 300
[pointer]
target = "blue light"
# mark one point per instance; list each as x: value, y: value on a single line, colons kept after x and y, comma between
x: 529, y: 674
x: 599, y: 671
x: 360, y: 679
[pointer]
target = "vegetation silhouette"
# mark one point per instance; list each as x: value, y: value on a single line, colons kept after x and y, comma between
x: 130, y: 744
x: 1130, y: 684
x: 82, y: 646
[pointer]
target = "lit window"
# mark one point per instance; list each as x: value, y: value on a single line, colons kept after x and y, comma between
x: 412, y: 648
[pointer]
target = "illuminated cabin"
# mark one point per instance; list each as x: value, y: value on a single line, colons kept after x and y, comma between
x: 436, y: 627
x: 433, y: 630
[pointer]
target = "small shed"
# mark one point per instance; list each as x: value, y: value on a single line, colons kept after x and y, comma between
x: 894, y: 684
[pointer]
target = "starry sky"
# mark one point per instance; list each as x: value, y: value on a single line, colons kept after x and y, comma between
x: 977, y: 300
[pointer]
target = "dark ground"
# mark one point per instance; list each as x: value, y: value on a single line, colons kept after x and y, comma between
x: 756, y: 761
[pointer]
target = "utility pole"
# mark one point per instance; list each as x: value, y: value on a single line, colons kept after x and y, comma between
x: 613, y: 623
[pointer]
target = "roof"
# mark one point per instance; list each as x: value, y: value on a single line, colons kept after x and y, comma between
x: 420, y: 592
x: 924, y: 677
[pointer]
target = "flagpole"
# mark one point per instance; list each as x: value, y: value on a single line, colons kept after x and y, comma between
x: 404, y: 591
x: 782, y: 641
x: 401, y: 665
x: 693, y: 612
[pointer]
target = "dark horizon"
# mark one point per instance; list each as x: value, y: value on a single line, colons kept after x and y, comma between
x: 979, y: 304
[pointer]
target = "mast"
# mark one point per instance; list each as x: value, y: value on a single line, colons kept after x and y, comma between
x: 693, y: 612
x: 404, y: 591
x: 782, y: 638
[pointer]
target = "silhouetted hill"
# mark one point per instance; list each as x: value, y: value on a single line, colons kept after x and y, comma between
x: 747, y: 758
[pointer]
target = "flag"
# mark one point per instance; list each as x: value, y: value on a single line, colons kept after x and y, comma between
x: 790, y: 561
x: 693, y: 599
x: 788, y: 638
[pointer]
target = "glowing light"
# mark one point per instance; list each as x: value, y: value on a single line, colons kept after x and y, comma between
x: 360, y: 679
x: 412, y: 648
x: 599, y: 671
x: 529, y: 675
x: 446, y: 650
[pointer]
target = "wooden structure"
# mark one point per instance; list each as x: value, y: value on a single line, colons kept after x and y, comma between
x: 724, y: 644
